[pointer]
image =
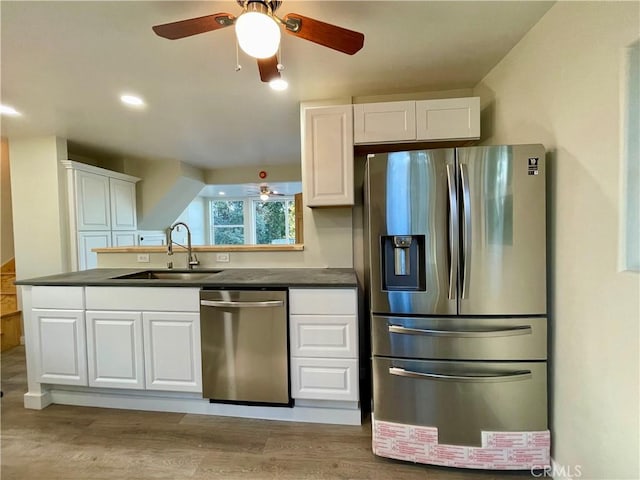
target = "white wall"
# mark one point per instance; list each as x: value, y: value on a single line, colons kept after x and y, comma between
x: 38, y: 195
x: 6, y: 239
x: 560, y: 86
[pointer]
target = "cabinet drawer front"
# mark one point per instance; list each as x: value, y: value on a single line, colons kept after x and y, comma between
x: 461, y: 399
x: 324, y: 378
x: 384, y: 122
x: 324, y: 336
x: 460, y: 338
x: 58, y: 297
x: 167, y: 299
x: 323, y: 301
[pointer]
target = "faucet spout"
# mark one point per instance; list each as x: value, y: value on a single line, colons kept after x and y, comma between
x: 192, y: 260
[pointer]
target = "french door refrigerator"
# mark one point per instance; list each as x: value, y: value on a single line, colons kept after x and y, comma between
x: 457, y: 284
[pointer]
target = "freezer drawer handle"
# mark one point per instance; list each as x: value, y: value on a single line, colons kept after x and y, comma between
x: 502, y: 332
x: 506, y: 377
x: 223, y: 303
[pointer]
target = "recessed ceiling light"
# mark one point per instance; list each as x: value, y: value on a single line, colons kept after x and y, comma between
x: 221, y: 193
x: 132, y: 100
x: 279, y: 84
x: 7, y: 110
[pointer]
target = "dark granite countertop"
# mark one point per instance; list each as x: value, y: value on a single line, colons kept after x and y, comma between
x: 224, y: 278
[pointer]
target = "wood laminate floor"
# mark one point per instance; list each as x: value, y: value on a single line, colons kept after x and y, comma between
x: 70, y: 443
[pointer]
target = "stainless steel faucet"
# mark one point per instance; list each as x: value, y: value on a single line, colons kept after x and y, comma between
x: 192, y: 260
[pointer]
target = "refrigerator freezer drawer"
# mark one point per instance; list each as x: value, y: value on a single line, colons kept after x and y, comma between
x: 460, y: 338
x: 461, y: 399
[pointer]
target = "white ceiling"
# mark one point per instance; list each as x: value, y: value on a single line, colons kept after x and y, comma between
x: 65, y: 64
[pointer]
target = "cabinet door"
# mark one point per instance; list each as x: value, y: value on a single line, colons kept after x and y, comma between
x: 114, y: 349
x: 172, y: 351
x: 384, y: 122
x: 86, y: 242
x: 92, y: 201
x: 123, y: 204
x: 61, y: 347
x: 448, y: 118
x: 123, y: 239
x: 327, y: 156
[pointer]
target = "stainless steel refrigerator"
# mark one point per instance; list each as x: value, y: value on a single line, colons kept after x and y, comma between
x: 457, y: 285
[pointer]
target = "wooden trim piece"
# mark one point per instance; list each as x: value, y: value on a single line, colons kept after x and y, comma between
x: 204, y: 248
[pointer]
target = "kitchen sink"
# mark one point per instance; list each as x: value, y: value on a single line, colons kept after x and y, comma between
x: 167, y: 275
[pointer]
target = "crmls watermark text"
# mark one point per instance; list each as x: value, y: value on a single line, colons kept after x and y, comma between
x: 559, y: 471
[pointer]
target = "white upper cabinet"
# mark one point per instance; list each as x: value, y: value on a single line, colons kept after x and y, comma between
x: 93, y: 206
x: 123, y: 204
x: 384, y: 122
x: 448, y: 119
x: 327, y: 156
x: 424, y: 120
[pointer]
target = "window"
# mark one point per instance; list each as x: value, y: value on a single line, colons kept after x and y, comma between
x: 252, y: 221
x: 227, y: 222
x: 274, y: 221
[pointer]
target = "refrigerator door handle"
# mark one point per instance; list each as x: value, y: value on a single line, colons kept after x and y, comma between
x: 453, y: 231
x: 466, y: 230
x: 501, y: 332
x: 504, y: 377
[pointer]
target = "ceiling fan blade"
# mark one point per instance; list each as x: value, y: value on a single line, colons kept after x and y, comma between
x: 332, y: 36
x: 268, y: 68
x: 194, y: 26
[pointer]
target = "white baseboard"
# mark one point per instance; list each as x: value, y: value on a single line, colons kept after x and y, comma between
x: 189, y: 404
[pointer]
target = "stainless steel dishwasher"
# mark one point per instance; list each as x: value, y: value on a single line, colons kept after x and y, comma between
x: 245, y: 356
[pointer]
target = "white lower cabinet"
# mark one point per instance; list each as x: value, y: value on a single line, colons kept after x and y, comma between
x: 323, y: 336
x: 172, y: 351
x: 61, y: 350
x: 114, y: 349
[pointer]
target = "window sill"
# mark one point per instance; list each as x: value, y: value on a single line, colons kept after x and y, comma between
x: 204, y: 248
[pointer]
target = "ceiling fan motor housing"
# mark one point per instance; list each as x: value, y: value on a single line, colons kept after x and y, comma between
x: 273, y: 4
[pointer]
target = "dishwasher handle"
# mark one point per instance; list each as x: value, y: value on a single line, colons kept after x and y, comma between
x: 227, y: 303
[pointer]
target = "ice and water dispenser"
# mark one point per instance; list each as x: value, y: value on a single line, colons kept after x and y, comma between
x: 403, y: 262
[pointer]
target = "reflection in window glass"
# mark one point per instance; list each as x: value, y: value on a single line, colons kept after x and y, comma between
x: 227, y: 222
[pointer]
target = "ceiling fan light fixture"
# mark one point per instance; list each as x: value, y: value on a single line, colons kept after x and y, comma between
x: 257, y: 32
x: 279, y: 84
x: 264, y: 197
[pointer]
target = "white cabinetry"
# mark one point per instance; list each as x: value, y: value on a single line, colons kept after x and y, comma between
x: 324, y: 347
x: 102, y: 211
x: 114, y: 349
x: 448, y: 119
x: 424, y: 120
x: 172, y: 351
x: 384, y: 122
x: 144, y: 338
x: 58, y: 329
x: 327, y: 156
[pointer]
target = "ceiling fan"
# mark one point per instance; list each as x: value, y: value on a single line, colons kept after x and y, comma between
x: 266, y: 192
x: 258, y: 32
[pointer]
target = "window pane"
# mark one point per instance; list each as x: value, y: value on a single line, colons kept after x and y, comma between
x: 228, y: 235
x: 270, y: 223
x: 291, y: 219
x: 227, y: 212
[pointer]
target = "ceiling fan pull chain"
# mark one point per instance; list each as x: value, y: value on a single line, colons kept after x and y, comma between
x: 280, y: 66
x: 238, y: 66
